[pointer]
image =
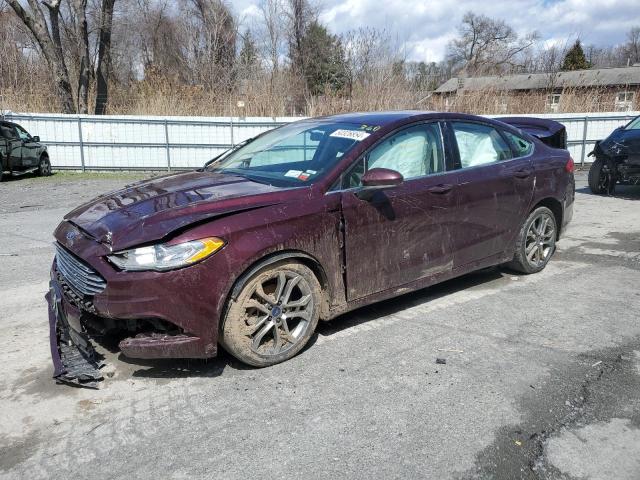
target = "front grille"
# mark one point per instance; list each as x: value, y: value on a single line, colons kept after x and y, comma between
x: 80, y: 276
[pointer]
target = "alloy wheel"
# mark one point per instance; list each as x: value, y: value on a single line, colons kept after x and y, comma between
x: 541, y: 240
x: 45, y: 167
x: 604, y: 181
x: 278, y: 313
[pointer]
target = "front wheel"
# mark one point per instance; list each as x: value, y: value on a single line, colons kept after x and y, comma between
x: 44, y: 167
x: 274, y: 316
x: 601, y: 180
x: 536, y: 242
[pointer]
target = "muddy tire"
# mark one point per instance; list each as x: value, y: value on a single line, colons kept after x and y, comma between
x: 536, y: 242
x: 44, y: 167
x: 274, y: 316
x: 600, y: 181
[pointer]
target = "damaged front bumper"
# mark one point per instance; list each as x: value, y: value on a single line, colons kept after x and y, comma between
x: 75, y: 361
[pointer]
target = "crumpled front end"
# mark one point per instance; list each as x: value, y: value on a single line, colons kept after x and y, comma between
x: 75, y: 361
x: 91, y: 303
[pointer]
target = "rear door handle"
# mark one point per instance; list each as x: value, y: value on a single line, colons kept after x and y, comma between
x: 440, y: 189
x: 524, y: 173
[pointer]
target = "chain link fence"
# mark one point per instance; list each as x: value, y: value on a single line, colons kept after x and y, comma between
x: 89, y: 142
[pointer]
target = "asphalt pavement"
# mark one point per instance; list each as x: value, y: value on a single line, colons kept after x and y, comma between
x: 541, y: 380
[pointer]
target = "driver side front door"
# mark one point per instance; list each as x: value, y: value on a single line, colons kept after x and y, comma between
x: 400, y: 234
x: 29, y: 149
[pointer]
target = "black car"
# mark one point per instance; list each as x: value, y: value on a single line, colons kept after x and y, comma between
x: 21, y: 153
x: 617, y: 159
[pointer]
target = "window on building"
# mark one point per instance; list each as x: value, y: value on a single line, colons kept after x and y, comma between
x: 624, y: 101
x: 553, y: 102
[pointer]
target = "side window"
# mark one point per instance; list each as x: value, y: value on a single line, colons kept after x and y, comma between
x: 523, y: 147
x: 414, y: 152
x: 22, y: 133
x: 479, y: 144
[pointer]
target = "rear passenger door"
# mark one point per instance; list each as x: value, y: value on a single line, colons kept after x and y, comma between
x: 494, y: 189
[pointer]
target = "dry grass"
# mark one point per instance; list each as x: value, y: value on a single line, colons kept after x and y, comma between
x: 272, y: 97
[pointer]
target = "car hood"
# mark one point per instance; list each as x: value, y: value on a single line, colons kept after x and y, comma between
x: 152, y: 209
x: 621, y: 142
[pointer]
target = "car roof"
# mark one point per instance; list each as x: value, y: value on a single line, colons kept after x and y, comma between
x: 376, y: 118
x: 393, y: 117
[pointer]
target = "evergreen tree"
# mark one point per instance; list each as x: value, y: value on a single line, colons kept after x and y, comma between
x: 324, y: 59
x: 575, y: 58
x: 248, y: 51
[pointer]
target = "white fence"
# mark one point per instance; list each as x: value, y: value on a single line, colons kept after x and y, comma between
x: 91, y: 142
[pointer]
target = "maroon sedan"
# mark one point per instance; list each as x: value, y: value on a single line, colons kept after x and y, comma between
x: 302, y: 224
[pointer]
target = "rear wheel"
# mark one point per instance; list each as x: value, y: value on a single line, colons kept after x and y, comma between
x: 601, y: 180
x: 536, y: 242
x: 274, y: 315
x: 44, y: 167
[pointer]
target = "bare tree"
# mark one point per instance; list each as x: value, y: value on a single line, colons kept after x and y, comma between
x: 632, y: 46
x: 487, y: 45
x: 272, y: 17
x: 214, y: 35
x: 84, y: 68
x: 50, y: 43
x: 103, y: 65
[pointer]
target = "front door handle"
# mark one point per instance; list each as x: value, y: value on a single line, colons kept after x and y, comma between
x: 524, y: 173
x: 440, y: 189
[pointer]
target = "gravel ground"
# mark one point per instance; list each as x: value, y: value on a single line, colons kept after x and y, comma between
x: 541, y: 381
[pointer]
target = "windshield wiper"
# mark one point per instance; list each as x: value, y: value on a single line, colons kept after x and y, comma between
x: 229, y: 151
x: 238, y: 173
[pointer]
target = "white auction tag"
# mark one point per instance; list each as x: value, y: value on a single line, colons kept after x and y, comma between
x: 350, y: 134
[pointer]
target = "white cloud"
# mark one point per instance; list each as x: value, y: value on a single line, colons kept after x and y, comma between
x: 426, y: 26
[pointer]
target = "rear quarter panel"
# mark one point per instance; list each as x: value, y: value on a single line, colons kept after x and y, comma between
x: 551, y: 177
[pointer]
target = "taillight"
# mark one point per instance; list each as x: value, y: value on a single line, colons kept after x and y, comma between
x: 570, y: 166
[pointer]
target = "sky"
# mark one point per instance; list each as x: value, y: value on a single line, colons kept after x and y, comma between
x: 425, y: 27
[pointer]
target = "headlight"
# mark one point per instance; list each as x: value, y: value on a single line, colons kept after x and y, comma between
x: 166, y: 257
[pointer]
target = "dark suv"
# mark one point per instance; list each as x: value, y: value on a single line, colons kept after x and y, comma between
x: 21, y: 153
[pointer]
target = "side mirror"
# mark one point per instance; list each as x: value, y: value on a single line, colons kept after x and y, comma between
x: 378, y: 179
x: 36, y: 138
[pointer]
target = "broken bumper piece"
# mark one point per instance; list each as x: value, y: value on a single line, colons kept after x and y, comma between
x: 158, y: 345
x: 75, y: 361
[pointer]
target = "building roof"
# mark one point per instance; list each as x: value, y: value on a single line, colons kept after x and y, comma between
x: 600, y: 77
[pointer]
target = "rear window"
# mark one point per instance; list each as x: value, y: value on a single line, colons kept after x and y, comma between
x: 522, y: 146
x: 7, y: 132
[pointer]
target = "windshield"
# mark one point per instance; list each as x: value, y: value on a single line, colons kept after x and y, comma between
x: 634, y: 124
x: 293, y: 155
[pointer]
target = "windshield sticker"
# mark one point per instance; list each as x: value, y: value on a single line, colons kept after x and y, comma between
x: 311, y: 172
x: 369, y: 128
x: 293, y: 173
x: 350, y: 134
x: 304, y: 177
